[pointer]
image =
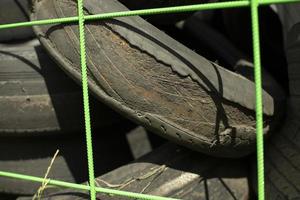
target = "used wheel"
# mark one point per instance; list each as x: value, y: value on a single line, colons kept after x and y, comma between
x: 32, y: 156
x: 172, y: 171
x: 237, y: 24
x: 282, y: 171
x: 37, y: 98
x: 159, y: 83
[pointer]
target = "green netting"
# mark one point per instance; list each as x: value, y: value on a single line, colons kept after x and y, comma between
x: 253, y: 4
x: 85, y: 89
x: 259, y: 106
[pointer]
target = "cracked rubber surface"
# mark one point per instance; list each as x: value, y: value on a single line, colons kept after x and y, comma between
x: 226, y: 52
x: 154, y: 80
x: 37, y: 98
x: 173, y: 171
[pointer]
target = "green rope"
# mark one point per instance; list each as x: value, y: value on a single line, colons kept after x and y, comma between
x: 258, y: 95
x: 85, y: 90
x: 83, y: 187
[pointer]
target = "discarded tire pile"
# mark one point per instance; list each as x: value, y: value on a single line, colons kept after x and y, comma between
x: 172, y: 101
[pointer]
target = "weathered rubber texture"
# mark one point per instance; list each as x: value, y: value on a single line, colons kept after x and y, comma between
x: 283, y: 152
x: 12, y: 11
x: 229, y: 54
x: 32, y: 156
x: 173, y: 171
x: 154, y: 80
x: 162, y: 18
x: 37, y: 98
x: 282, y: 161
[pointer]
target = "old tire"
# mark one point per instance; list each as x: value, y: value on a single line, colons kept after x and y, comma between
x: 37, y: 98
x: 163, y: 86
x: 32, y: 156
x: 172, y: 171
x: 12, y: 12
x: 282, y: 171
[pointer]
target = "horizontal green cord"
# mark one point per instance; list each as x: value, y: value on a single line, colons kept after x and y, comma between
x: 154, y: 11
x: 83, y: 187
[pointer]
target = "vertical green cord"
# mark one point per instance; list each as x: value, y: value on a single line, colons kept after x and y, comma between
x: 88, y: 131
x: 259, y: 107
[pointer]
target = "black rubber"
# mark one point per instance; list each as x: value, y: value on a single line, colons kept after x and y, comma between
x: 162, y: 18
x: 237, y: 25
x: 12, y: 11
x: 8, y: 196
x: 209, y: 39
x: 32, y: 156
x: 282, y: 171
x: 154, y: 80
x: 37, y: 98
x: 282, y: 159
x: 172, y: 171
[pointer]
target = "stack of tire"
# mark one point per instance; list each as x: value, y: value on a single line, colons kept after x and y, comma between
x: 42, y: 111
x: 136, y: 70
